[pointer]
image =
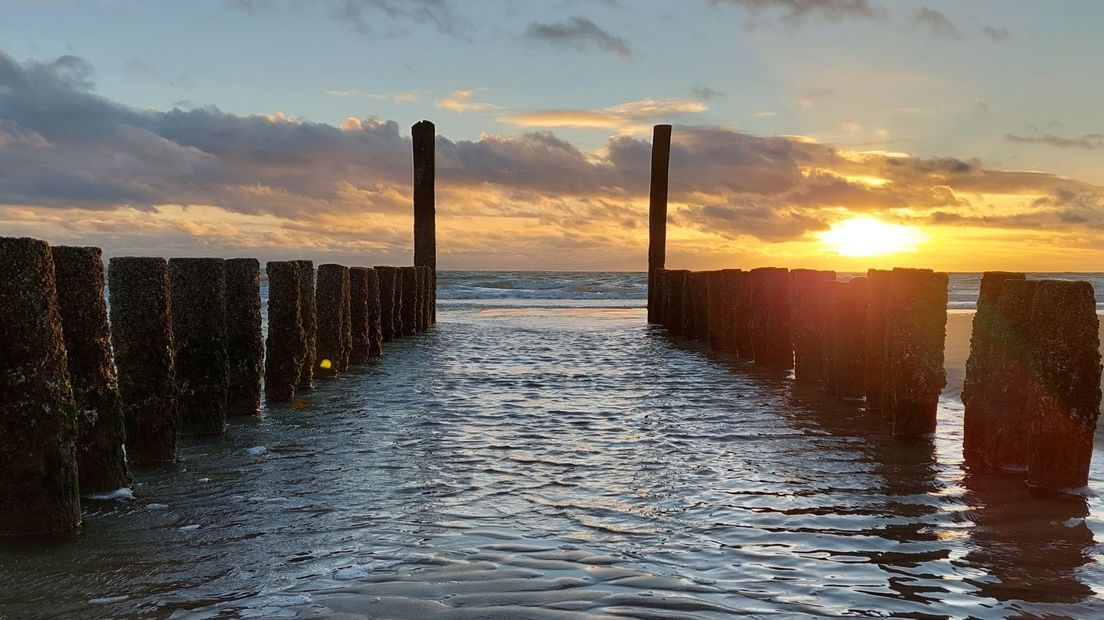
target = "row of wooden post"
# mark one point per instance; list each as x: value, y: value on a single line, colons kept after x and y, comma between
x: 824, y: 329
x: 84, y: 394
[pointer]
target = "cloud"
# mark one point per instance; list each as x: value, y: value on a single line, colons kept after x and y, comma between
x: 1089, y: 141
x: 798, y: 11
x: 460, y: 101
x: 936, y: 22
x: 341, y: 93
x: 705, y: 93
x: 1000, y: 35
x: 402, y: 97
x: 78, y: 167
x: 579, y: 33
x: 365, y: 16
x: 624, y: 116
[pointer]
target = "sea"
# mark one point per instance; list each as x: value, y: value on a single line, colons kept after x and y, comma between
x: 542, y: 452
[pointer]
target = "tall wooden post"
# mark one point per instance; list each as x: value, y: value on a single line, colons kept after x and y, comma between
x: 425, y: 207
x: 657, y: 211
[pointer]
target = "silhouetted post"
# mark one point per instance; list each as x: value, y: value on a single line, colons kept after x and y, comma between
x: 689, y: 311
x: 770, y: 318
x: 659, y: 296
x: 308, y: 320
x: 699, y: 287
x: 425, y: 211
x: 409, y: 280
x: 676, y: 296
x: 1006, y: 388
x: 741, y: 313
x: 141, y: 338
x: 877, y: 285
x: 346, y: 321
x: 722, y: 298
x: 358, y: 283
x: 977, y: 389
x: 244, y: 342
x: 657, y: 210
x: 390, y: 302
x: 428, y: 284
x: 101, y: 460
x: 330, y: 294
x: 284, y: 346
x: 420, y: 306
x: 198, y: 300
x: 916, y: 324
x: 1066, y: 366
x: 375, y: 336
x: 808, y: 290
x: 845, y: 342
x: 38, y: 427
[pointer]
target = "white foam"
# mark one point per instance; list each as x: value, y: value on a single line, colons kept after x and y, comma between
x: 189, y: 528
x: 256, y: 450
x: 123, y: 494
x: 360, y: 571
x: 156, y: 506
x: 108, y: 600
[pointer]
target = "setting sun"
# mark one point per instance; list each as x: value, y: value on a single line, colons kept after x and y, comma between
x: 866, y: 236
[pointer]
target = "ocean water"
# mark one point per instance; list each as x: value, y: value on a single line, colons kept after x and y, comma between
x: 543, y: 453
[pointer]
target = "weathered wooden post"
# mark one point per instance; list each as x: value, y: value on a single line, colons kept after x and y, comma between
x: 699, y: 304
x: 977, y: 394
x: 877, y: 285
x: 101, y: 460
x: 676, y: 298
x: 844, y: 349
x: 346, y: 321
x: 358, y: 283
x: 1066, y: 366
x: 723, y: 291
x: 659, y: 296
x: 425, y: 209
x: 330, y: 294
x: 308, y: 319
x: 718, y: 313
x: 38, y: 427
x: 375, y: 335
x: 284, y: 346
x: 141, y: 338
x: 428, y: 283
x: 916, y: 323
x: 808, y: 290
x: 1006, y: 388
x: 244, y: 341
x: 390, y: 302
x: 198, y: 301
x: 422, y: 299
x: 770, y: 318
x: 409, y: 281
x: 657, y: 211
x: 741, y: 312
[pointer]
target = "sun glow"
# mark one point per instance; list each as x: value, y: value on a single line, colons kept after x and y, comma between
x: 867, y: 236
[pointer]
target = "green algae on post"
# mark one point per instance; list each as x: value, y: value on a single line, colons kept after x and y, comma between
x: 101, y: 458
x: 38, y: 461
x: 142, y: 340
x: 1007, y: 383
x: 198, y: 300
x: 244, y: 342
x: 284, y: 345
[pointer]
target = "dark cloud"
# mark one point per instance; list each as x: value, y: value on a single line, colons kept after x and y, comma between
x: 579, y: 33
x: 935, y: 22
x: 999, y: 35
x: 1089, y: 141
x: 64, y: 147
x: 705, y: 93
x: 366, y: 15
x: 797, y: 11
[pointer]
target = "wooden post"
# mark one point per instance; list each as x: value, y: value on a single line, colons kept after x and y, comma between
x: 722, y: 291
x: 425, y: 208
x: 308, y: 320
x: 408, y: 277
x: 244, y: 341
x: 346, y: 321
x: 808, y: 290
x: 101, y: 460
x: 1006, y: 388
x: 770, y: 318
x: 676, y: 298
x: 426, y: 286
x: 741, y: 313
x: 390, y: 302
x: 141, y: 338
x: 38, y: 427
x: 198, y: 300
x: 330, y: 295
x: 358, y: 282
x: 659, y: 296
x: 844, y: 349
x: 977, y: 389
x: 916, y: 324
x: 657, y: 210
x: 375, y: 335
x: 285, y: 332
x: 1066, y: 366
x: 875, y: 382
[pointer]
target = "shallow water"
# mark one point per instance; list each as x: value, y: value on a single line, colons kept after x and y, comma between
x: 539, y: 461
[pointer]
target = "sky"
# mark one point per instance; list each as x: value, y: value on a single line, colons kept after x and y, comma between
x: 840, y: 134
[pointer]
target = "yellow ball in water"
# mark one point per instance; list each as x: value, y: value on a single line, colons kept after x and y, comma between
x: 325, y: 363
